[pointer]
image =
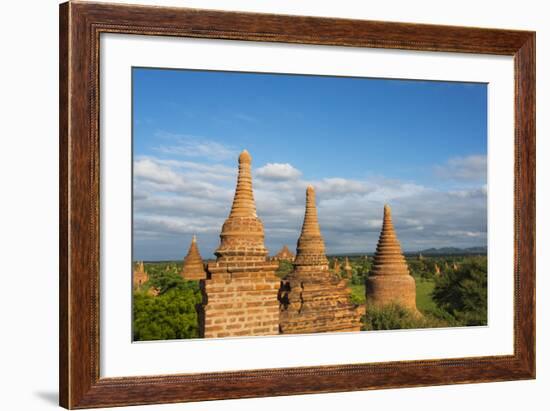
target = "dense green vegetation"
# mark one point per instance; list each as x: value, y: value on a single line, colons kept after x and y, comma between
x: 457, y: 296
x: 463, y: 293
x: 395, y: 317
x: 172, y: 313
x: 285, y: 267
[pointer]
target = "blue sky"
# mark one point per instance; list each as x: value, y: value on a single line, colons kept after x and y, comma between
x: 419, y: 145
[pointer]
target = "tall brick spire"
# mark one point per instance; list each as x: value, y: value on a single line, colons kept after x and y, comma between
x: 312, y: 298
x: 243, y: 202
x: 242, y: 236
x: 311, y: 246
x: 240, y: 290
x: 390, y: 281
x: 193, y: 267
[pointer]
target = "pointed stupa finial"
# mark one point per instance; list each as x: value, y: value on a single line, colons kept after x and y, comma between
x: 242, y: 235
x: 193, y: 266
x: 243, y: 202
x: 311, y: 246
x: 245, y: 157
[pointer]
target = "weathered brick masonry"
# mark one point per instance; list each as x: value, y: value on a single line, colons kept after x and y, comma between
x: 240, y: 290
x: 313, y: 299
x: 390, y: 280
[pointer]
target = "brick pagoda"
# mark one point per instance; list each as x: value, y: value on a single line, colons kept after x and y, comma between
x: 193, y: 266
x: 313, y: 299
x: 347, y: 268
x: 390, y: 280
x: 336, y: 266
x: 140, y: 277
x: 284, y: 254
x: 240, y: 290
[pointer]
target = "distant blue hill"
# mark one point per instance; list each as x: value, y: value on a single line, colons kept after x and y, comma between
x: 431, y: 252
x: 452, y: 251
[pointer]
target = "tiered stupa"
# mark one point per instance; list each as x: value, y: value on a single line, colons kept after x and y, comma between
x: 347, y: 268
x: 313, y: 299
x: 240, y: 291
x: 193, y: 266
x: 284, y: 254
x: 390, y: 281
x: 140, y: 277
x: 437, y: 270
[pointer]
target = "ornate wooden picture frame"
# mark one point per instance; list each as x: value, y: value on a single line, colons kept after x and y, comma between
x: 80, y: 27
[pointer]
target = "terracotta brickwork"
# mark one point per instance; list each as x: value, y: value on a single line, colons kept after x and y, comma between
x: 284, y: 254
x: 240, y: 290
x: 193, y: 266
x: 313, y: 299
x: 390, y: 281
x: 140, y: 277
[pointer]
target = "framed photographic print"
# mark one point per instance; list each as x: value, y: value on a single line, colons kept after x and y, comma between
x: 259, y: 205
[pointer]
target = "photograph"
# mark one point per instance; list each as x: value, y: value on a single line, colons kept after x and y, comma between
x: 269, y: 204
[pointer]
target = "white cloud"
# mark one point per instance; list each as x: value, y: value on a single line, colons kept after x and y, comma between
x: 330, y: 187
x: 175, y: 199
x: 469, y: 168
x: 152, y: 175
x: 278, y: 172
x: 462, y: 233
x: 192, y: 146
x: 151, y: 170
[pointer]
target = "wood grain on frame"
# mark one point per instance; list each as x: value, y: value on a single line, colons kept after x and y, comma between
x: 80, y: 27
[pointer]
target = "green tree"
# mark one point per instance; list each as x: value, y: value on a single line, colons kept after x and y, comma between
x: 285, y: 267
x: 170, y: 315
x: 396, y: 317
x: 463, y: 293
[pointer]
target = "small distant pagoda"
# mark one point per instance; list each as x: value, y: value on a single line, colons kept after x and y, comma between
x: 312, y: 298
x: 437, y: 269
x: 284, y: 255
x: 140, y: 277
x: 336, y: 265
x: 390, y: 280
x: 193, y: 266
x: 347, y: 268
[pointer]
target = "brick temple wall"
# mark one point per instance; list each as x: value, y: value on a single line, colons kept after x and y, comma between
x: 239, y: 300
x: 383, y: 290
